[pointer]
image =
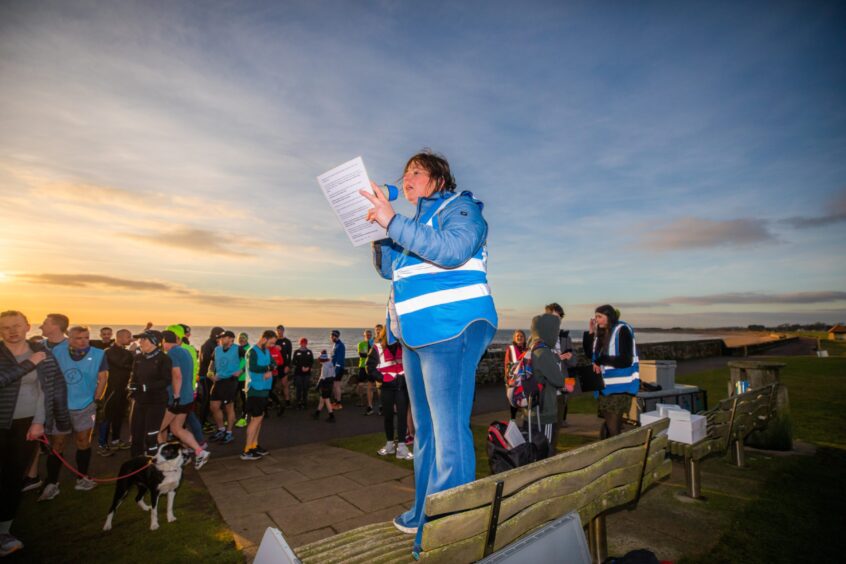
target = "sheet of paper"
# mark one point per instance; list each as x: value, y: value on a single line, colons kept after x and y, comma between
x: 340, y: 186
x: 513, y: 435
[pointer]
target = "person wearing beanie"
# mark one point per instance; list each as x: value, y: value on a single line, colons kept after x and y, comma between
x: 611, y: 343
x: 301, y: 363
x: 325, y: 386
x: 151, y: 374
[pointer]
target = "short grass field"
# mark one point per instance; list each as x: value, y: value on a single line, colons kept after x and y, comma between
x: 70, y: 529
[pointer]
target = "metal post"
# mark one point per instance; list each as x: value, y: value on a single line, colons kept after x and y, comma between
x: 643, y: 464
x: 494, y: 521
x: 598, y: 539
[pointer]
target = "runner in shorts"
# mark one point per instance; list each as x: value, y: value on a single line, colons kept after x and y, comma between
x: 86, y: 372
x: 259, y: 383
x: 180, y: 394
x: 227, y: 369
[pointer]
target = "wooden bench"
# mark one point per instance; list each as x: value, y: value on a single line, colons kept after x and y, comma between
x: 727, y: 426
x: 470, y: 521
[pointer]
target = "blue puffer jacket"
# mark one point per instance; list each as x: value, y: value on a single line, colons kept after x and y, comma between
x: 437, y: 264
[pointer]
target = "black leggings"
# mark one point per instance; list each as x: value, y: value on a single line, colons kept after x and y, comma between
x: 15, y: 455
x: 395, y: 394
x: 145, y: 424
x: 302, y: 382
x: 204, y: 395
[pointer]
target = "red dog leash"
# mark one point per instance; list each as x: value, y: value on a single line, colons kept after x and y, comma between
x: 81, y: 475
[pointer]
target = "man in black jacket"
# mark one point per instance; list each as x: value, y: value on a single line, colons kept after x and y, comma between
x: 115, y: 400
x: 204, y: 385
x: 33, y: 395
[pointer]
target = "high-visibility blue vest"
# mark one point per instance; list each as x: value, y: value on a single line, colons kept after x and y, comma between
x: 80, y: 375
x: 435, y: 304
x: 256, y: 379
x: 227, y: 362
x: 620, y: 380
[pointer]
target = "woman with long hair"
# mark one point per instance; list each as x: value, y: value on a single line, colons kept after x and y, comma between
x: 384, y: 364
x: 513, y: 354
x: 614, y: 356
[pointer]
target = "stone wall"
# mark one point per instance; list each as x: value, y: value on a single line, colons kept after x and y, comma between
x: 491, y: 367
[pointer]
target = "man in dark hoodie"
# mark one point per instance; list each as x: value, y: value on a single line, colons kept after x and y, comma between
x: 546, y: 371
x: 204, y: 384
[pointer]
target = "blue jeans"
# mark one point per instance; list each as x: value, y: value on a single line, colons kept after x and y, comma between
x: 441, y: 381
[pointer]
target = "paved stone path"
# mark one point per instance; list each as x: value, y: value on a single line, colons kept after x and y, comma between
x: 309, y: 492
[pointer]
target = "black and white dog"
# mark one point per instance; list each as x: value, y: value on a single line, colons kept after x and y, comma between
x: 163, y: 476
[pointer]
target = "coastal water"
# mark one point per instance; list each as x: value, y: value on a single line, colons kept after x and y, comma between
x: 318, y: 337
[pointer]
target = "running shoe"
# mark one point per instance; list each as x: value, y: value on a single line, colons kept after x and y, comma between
x: 389, y: 448
x: 104, y: 450
x: 261, y: 451
x: 85, y: 484
x: 30, y: 484
x: 201, y: 459
x: 217, y: 437
x: 241, y: 423
x: 117, y: 444
x: 399, y: 523
x: 9, y: 544
x: 49, y: 492
x: 250, y: 455
x: 227, y: 438
x: 403, y: 452
x: 368, y: 411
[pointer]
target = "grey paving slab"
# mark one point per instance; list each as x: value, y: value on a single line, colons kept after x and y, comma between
x: 249, y: 529
x: 313, y: 515
x: 379, y: 472
x: 374, y: 498
x: 322, y: 487
x: 380, y: 516
x: 214, y: 473
x: 314, y: 467
x: 261, y: 502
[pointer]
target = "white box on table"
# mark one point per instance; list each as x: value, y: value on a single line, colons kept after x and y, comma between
x: 664, y: 408
x: 648, y: 417
x: 687, y: 431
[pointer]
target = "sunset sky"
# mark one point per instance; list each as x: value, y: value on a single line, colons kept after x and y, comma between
x: 684, y: 162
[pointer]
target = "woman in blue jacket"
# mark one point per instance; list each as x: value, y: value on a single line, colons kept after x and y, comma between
x: 440, y: 308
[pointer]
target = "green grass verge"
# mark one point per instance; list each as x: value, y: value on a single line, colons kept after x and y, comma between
x: 793, y: 517
x: 69, y: 529
x: 817, y: 391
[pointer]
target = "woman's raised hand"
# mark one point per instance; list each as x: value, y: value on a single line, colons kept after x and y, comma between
x: 382, y: 211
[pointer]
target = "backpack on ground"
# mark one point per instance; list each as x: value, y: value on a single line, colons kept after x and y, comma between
x: 521, y: 385
x: 502, y: 456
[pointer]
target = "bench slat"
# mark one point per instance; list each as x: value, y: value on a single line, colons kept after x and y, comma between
x: 351, y: 536
x: 472, y: 549
x: 615, y: 470
x: 479, y: 493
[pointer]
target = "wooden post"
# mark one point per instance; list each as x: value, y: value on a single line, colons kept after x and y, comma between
x: 598, y: 539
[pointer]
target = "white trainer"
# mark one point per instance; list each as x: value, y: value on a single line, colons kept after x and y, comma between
x: 389, y: 448
x: 49, y: 492
x: 201, y: 459
x: 403, y: 452
x: 85, y: 484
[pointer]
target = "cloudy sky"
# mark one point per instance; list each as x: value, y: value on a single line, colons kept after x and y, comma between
x: 683, y: 161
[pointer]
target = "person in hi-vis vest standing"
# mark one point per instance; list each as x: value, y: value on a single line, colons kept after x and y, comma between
x: 440, y: 308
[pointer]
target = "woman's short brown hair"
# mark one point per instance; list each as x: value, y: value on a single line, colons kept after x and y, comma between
x: 437, y: 167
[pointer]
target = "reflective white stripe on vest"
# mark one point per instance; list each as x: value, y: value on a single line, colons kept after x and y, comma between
x: 443, y: 297
x: 610, y: 381
x: 429, y: 268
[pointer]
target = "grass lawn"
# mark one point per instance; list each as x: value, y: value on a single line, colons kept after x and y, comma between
x: 69, y: 529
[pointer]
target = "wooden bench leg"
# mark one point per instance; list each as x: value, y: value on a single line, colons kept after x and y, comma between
x: 739, y: 454
x: 598, y: 540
